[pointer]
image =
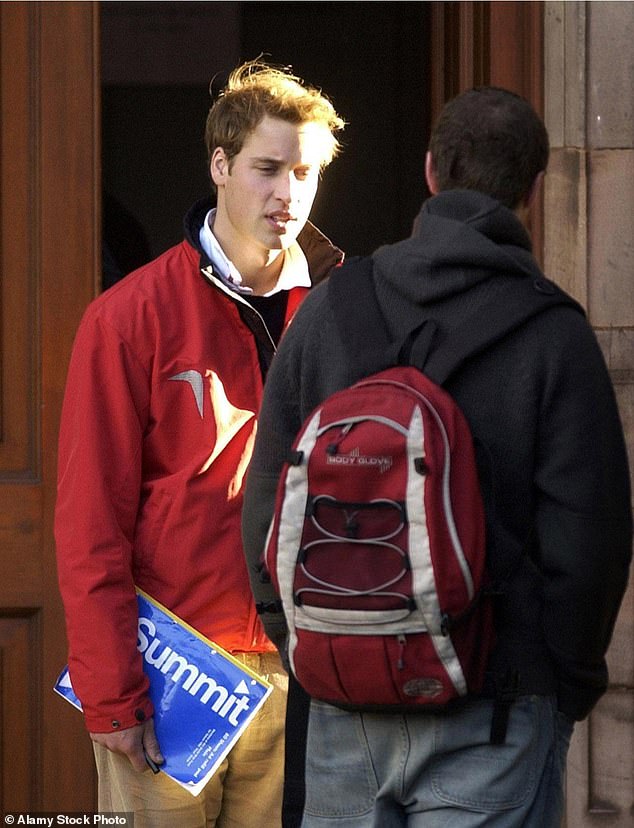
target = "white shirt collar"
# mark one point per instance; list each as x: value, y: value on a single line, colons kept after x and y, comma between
x: 294, y: 268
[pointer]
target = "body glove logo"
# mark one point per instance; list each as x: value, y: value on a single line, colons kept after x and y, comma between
x: 355, y: 458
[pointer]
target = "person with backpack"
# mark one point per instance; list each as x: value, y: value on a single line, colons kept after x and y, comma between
x: 157, y: 428
x: 464, y: 300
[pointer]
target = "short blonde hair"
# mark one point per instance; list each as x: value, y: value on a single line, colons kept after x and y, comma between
x: 256, y: 89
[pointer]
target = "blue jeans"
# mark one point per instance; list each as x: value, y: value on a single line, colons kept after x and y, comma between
x: 436, y: 770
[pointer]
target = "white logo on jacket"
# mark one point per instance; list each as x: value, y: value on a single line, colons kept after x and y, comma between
x: 195, y: 380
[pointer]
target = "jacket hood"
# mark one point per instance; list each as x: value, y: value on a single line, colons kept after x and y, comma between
x: 460, y: 238
x: 322, y: 255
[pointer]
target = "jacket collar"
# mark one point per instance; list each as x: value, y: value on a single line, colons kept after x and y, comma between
x: 321, y: 254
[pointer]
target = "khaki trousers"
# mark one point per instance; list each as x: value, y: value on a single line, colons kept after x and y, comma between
x: 245, y: 791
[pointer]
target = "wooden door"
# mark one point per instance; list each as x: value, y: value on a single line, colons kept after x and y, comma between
x: 497, y: 44
x: 48, y: 261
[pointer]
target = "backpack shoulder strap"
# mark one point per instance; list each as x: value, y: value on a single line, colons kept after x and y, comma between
x: 358, y: 317
x: 363, y: 330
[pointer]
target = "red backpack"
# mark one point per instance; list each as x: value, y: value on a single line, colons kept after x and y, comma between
x: 377, y: 547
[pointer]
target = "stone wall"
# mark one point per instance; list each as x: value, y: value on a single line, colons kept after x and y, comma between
x: 589, y: 250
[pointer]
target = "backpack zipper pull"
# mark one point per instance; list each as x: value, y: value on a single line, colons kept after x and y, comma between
x: 331, y: 448
x: 402, y: 641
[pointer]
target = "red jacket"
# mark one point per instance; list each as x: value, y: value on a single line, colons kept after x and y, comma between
x: 157, y: 430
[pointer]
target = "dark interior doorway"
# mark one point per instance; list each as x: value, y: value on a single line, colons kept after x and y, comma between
x: 158, y: 60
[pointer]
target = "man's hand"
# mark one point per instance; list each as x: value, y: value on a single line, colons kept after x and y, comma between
x: 133, y: 742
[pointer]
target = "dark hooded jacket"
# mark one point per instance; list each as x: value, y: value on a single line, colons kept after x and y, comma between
x: 551, y: 452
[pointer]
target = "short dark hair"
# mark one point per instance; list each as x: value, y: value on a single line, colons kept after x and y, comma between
x: 491, y: 140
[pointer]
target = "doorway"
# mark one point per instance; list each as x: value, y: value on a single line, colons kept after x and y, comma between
x: 158, y: 60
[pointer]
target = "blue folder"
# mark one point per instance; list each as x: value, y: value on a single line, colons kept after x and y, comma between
x: 203, y: 698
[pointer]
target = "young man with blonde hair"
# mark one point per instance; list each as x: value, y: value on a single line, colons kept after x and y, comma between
x: 158, y: 425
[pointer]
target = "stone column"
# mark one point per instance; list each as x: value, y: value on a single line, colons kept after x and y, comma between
x: 589, y: 251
